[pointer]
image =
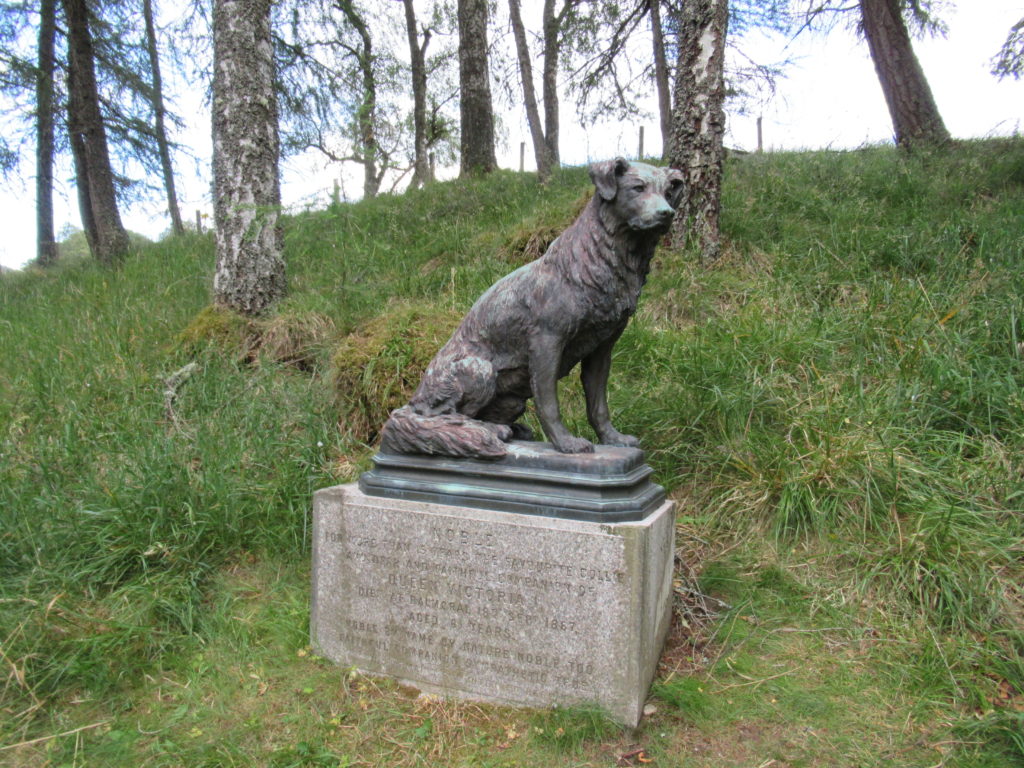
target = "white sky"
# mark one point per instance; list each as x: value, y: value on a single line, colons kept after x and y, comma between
x: 830, y: 98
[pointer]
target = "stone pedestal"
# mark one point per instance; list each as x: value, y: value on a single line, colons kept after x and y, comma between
x: 492, y: 605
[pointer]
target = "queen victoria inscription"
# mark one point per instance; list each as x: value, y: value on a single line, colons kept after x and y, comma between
x: 491, y: 605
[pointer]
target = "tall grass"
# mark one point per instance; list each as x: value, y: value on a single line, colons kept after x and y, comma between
x: 848, y: 376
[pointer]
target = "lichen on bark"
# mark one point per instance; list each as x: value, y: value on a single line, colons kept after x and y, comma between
x: 250, y: 272
x: 698, y: 121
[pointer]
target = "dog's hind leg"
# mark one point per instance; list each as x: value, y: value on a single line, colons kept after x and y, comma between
x: 439, y: 420
x: 476, y: 382
x: 503, y: 410
x: 520, y: 431
x: 462, y: 386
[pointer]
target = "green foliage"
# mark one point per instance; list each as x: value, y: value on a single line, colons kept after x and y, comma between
x: 377, y: 367
x: 1009, y: 62
x: 532, y: 239
x: 837, y: 401
x: 999, y: 730
x: 297, y: 333
x: 685, y: 694
x: 219, y: 326
x: 114, y: 513
x: 568, y: 729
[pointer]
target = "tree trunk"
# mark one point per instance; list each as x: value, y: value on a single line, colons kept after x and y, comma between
x: 552, y: 28
x: 417, y: 56
x: 250, y: 272
x: 661, y: 78
x: 698, y: 121
x: 159, y: 114
x: 46, y: 246
x: 915, y: 117
x: 540, y: 144
x: 82, y: 178
x: 366, y: 117
x: 97, y: 198
x: 476, y: 111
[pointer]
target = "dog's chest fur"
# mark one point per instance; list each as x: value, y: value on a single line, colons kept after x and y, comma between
x: 605, y: 264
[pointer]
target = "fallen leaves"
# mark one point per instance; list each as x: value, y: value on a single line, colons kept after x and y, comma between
x: 633, y: 757
x: 1007, y: 697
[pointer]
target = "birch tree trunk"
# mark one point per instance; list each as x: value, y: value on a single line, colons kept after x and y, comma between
x: 46, y: 246
x: 698, y: 121
x: 915, y: 116
x: 97, y: 199
x: 476, y: 111
x: 250, y: 273
x: 418, y: 54
x: 159, y: 114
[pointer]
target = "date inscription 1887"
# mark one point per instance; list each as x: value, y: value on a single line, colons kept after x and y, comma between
x: 470, y: 606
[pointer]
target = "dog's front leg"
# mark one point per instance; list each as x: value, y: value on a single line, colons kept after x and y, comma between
x: 594, y: 372
x: 545, y: 357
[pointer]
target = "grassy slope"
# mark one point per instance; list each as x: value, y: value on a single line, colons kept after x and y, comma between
x: 836, y: 405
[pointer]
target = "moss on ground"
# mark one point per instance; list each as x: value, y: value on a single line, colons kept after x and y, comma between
x: 220, y: 327
x: 377, y: 367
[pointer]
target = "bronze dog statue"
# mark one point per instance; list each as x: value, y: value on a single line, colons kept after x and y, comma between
x: 534, y: 325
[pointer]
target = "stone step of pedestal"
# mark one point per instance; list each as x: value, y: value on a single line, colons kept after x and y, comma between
x: 611, y: 484
x: 492, y: 606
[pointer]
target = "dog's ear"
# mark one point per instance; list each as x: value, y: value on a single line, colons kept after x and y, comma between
x: 605, y: 176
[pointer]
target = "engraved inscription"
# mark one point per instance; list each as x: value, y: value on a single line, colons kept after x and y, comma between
x: 449, y: 601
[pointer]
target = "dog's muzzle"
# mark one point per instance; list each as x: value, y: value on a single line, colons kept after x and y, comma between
x: 660, y: 219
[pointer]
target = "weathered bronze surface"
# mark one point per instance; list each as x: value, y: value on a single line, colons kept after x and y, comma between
x: 534, y: 325
x: 609, y: 485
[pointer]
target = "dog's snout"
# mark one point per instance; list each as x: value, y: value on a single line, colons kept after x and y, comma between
x: 655, y: 214
x: 663, y: 214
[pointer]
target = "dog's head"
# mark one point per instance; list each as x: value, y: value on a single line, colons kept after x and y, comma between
x: 644, y: 197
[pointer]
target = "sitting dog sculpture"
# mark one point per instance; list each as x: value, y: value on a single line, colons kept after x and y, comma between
x: 534, y: 325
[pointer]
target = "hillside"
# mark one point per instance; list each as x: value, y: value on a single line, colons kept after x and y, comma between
x: 835, y: 405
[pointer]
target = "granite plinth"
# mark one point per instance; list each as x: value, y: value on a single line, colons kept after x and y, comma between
x: 492, y: 605
x: 612, y: 484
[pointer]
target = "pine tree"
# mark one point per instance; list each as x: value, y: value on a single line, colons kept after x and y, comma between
x: 94, y: 177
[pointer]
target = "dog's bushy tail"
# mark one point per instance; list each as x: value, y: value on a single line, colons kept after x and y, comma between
x: 449, y: 434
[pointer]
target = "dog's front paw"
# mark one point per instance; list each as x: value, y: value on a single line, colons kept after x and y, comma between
x: 574, y: 445
x: 617, y: 438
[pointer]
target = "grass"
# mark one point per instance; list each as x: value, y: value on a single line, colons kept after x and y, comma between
x: 835, y: 405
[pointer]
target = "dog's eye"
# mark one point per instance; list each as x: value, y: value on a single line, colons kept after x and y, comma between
x: 639, y: 187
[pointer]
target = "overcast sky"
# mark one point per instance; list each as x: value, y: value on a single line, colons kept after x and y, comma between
x: 830, y: 98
